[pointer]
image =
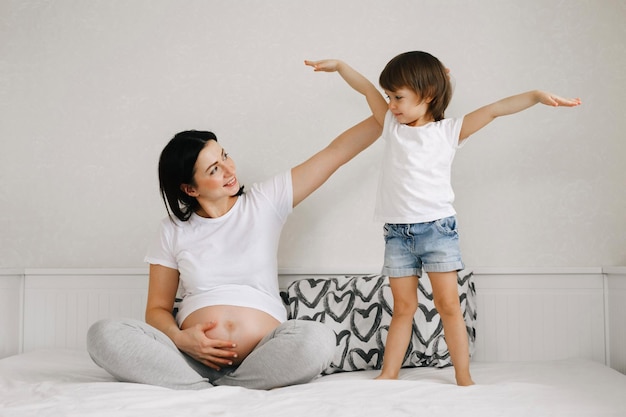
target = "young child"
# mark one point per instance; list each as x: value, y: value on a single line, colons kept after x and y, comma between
x: 415, y: 194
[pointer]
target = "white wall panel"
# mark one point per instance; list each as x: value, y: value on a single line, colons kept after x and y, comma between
x: 523, y: 314
x: 616, y: 283
x: 10, y: 311
x: 61, y: 305
x: 547, y: 314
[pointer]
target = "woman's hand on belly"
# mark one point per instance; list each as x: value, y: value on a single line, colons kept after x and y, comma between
x: 242, y: 327
x: 214, y: 353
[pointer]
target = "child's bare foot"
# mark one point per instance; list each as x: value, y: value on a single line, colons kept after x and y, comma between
x: 384, y: 376
x: 464, y: 381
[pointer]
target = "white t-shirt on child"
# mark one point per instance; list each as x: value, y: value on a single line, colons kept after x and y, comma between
x: 415, y: 179
x: 230, y: 260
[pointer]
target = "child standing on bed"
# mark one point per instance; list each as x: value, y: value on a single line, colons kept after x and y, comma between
x: 415, y: 194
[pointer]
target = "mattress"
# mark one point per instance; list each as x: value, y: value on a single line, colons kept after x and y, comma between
x: 67, y: 383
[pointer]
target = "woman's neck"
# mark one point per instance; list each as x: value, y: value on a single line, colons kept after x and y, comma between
x: 215, y: 209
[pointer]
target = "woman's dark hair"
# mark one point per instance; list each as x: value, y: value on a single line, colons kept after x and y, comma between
x: 422, y: 73
x: 176, y: 167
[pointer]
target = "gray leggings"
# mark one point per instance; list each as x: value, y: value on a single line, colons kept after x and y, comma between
x: 132, y: 351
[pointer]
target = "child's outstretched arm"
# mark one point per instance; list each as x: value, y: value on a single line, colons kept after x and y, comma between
x: 374, y: 98
x: 478, y: 119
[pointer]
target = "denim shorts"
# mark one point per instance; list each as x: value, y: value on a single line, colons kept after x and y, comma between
x: 433, y: 246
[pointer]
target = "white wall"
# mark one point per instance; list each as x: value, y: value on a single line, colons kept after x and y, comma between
x: 90, y: 91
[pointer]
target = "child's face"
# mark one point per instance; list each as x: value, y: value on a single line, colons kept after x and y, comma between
x: 408, y: 107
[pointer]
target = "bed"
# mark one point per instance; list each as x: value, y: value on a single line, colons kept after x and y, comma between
x: 54, y: 376
x: 65, y: 382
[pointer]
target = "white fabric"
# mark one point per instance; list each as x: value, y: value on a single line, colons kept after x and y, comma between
x: 415, y: 184
x: 67, y: 383
x: 230, y: 260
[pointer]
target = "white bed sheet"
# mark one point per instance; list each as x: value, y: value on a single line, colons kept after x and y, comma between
x: 67, y: 383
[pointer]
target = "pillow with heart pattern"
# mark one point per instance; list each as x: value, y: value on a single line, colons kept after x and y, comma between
x: 359, y: 308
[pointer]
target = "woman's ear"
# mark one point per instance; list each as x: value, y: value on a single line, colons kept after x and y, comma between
x: 188, y: 189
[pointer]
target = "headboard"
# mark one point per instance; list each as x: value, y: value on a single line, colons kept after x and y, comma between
x: 524, y: 314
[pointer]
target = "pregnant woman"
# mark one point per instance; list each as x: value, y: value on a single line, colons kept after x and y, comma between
x: 219, y: 243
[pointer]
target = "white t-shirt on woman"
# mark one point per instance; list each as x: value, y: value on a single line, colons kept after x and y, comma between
x: 232, y: 259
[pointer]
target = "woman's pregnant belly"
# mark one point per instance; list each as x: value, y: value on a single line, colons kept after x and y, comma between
x: 243, y: 326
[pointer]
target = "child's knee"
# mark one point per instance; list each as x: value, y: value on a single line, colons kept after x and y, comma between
x: 405, y: 307
x: 448, y: 307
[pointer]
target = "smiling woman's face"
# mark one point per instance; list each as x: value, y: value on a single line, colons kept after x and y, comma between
x: 214, y: 174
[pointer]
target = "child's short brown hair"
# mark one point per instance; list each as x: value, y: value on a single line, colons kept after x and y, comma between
x: 422, y: 73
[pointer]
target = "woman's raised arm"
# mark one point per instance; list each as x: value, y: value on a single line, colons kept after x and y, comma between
x: 311, y: 174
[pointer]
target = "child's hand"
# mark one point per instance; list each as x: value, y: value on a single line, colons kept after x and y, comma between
x: 326, y: 65
x: 550, y: 99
